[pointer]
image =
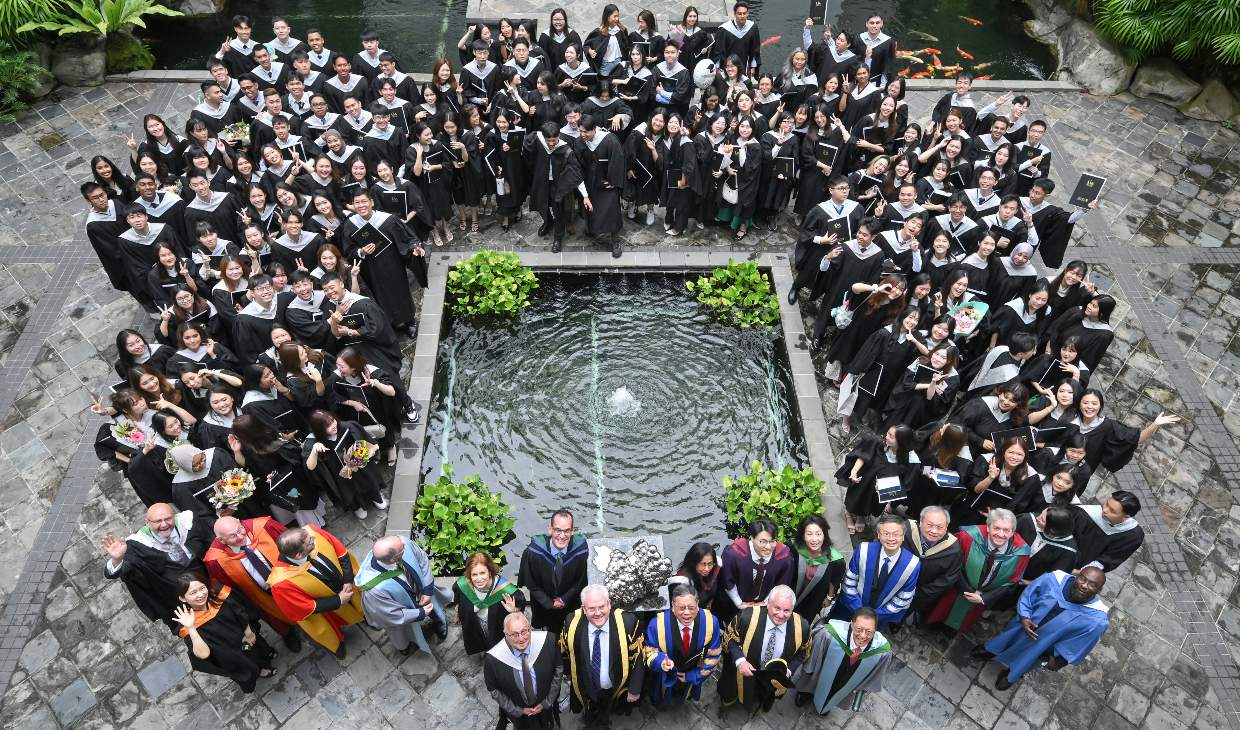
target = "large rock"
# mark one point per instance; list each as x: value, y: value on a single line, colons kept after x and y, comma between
x: 43, y: 59
x: 1091, y: 62
x: 80, y: 59
x: 193, y: 8
x: 1214, y: 104
x: 127, y: 53
x: 1162, y: 80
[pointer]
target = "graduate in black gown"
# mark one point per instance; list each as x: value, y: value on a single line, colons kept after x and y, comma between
x: 555, y: 175
x: 739, y: 37
x: 1054, y: 224
x: 819, y: 567
x: 1109, y: 442
x: 380, y: 241
x: 193, y: 484
x: 103, y: 225
x: 872, y: 461
x: 350, y: 488
x: 251, y: 329
x: 1005, y: 408
x: 879, y: 365
x: 824, y: 233
x: 1091, y: 326
x: 220, y: 629
x: 925, y: 390
x: 996, y: 480
x: 873, y: 304
x: 136, y: 247
x: 1054, y: 488
x: 603, y: 172
x: 359, y: 322
x: 1107, y: 534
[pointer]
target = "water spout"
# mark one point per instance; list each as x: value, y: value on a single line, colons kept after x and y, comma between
x: 623, y: 403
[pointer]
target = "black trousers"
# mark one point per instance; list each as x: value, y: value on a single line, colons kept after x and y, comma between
x: 556, y: 213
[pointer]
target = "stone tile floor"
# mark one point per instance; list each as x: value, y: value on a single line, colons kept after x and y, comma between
x: 89, y: 659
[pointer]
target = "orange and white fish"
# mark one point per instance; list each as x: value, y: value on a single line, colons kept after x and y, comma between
x: 964, y: 54
x: 930, y: 50
x: 937, y: 62
x: 920, y: 75
x: 772, y: 39
x: 913, y: 59
x: 984, y: 78
x: 902, y: 72
x: 973, y: 21
x: 981, y: 66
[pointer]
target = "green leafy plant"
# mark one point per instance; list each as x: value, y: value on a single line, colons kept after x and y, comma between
x: 16, y: 13
x: 784, y: 496
x: 19, y: 76
x: 491, y: 282
x: 98, y: 16
x: 1206, y: 31
x: 739, y: 294
x: 457, y: 519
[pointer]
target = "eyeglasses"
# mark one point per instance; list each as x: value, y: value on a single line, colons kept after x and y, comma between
x: 562, y: 531
x: 523, y: 633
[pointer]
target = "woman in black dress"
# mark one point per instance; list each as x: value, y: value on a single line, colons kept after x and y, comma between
x: 995, y: 481
x: 484, y: 598
x: 276, y: 464
x: 819, y: 567
x: 431, y: 171
x: 925, y: 390
x: 133, y: 349
x: 873, y: 305
x: 509, y: 169
x: 1007, y: 407
x: 1109, y: 442
x: 368, y: 394
x: 352, y: 488
x: 947, y: 463
x: 213, y: 428
x: 875, y: 459
x: 1027, y: 313
x: 700, y: 569
x: 220, y: 629
x: 644, y: 182
x: 675, y: 196
x: 745, y: 173
x: 707, y: 181
x: 878, y: 366
x: 1091, y: 325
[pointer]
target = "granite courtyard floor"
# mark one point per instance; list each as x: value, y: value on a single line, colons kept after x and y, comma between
x: 74, y: 652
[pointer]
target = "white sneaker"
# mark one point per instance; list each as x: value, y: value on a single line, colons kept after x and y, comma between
x: 650, y: 217
x: 381, y: 504
x: 631, y: 212
x: 360, y: 513
x: 700, y: 225
x: 667, y: 228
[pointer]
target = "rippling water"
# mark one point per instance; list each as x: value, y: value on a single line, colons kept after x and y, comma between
x: 529, y: 408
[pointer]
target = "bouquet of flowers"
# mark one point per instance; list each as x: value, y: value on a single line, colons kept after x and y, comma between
x: 129, y: 434
x: 968, y: 316
x: 236, y: 132
x: 360, y: 454
x: 169, y: 465
x: 233, y: 488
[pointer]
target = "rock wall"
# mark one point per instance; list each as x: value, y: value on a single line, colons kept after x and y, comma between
x: 1085, y: 58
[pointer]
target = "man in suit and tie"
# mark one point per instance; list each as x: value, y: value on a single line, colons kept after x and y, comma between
x: 522, y: 673
x: 848, y: 660
x: 312, y: 583
x: 765, y: 646
x: 241, y: 557
x: 553, y: 570
x: 602, y: 648
x: 881, y: 575
x: 399, y: 595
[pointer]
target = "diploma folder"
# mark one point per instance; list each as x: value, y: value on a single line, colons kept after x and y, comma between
x: 890, y: 489
x: 1024, y: 433
x: 784, y: 166
x: 634, y: 85
x: 947, y: 479
x: 870, y: 380
x: 818, y: 10
x: 1087, y: 190
x: 825, y: 153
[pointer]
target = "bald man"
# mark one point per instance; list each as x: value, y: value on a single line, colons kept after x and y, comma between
x: 241, y: 557
x: 1058, y: 614
x: 150, y: 560
x: 398, y: 593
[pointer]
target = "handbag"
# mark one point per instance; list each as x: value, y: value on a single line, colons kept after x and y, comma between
x: 842, y: 314
x: 731, y: 194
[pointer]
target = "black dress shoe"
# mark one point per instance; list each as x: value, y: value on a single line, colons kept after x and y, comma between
x: 342, y: 651
x: 792, y: 295
x: 292, y: 640
x: 544, y: 229
x: 802, y: 699
x: 616, y: 250
x: 1001, y: 682
x: 980, y: 654
x: 412, y: 331
x: 557, y: 245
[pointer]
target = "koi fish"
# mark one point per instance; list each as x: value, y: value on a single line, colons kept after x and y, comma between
x: 929, y: 50
x: 902, y: 72
x: 772, y: 39
x: 913, y: 59
x: 920, y: 75
x: 937, y: 62
x: 964, y: 54
x: 972, y: 21
x: 929, y: 68
x: 923, y: 36
x: 984, y: 78
x: 980, y: 66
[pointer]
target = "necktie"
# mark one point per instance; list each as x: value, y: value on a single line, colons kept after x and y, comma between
x: 257, y: 562
x: 176, y: 553
x: 768, y: 652
x: 883, y: 573
x: 557, y: 569
x: 684, y: 639
x: 527, y: 680
x: 990, y: 562
x: 596, y: 659
x: 759, y: 575
x: 854, y: 657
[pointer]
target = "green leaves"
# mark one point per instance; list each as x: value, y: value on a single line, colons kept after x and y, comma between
x: 1191, y: 30
x: 491, y: 282
x: 785, y: 496
x: 96, y: 16
x: 19, y: 75
x: 458, y: 519
x: 738, y: 294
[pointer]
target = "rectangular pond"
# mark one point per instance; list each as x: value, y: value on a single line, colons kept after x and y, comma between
x: 615, y: 395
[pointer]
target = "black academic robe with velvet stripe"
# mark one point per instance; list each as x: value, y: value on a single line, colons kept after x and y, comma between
x: 499, y: 671
x: 744, y: 639
x: 625, y: 666
x: 537, y: 574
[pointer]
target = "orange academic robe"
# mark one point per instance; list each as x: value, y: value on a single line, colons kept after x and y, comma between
x: 295, y: 590
x: 224, y: 566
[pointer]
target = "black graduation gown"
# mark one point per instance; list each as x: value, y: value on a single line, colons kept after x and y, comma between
x: 385, y: 410
x: 776, y: 193
x: 674, y: 156
x: 1006, y: 321
x: 861, y: 498
x: 151, y: 577
x: 1095, y: 545
x: 554, y: 174
x: 978, y: 421
x: 695, y: 47
x: 703, y: 183
x: 849, y: 340
x: 810, y: 597
x: 599, y: 40
x: 195, y: 494
x: 148, y: 477
x: 1046, y: 460
x: 1092, y: 342
x: 909, y: 406
x: 927, y: 490
x: 510, y: 167
x: 1054, y: 554
x: 968, y: 511
x: 744, y: 43
x: 547, y: 668
x: 160, y: 282
x: 223, y: 634
x: 644, y: 187
x: 403, y: 198
x: 538, y: 575
x: 680, y: 89
x: 1054, y: 232
x: 938, y: 570
x: 882, y: 349
x: 807, y: 256
x: 251, y: 331
x: 1111, y: 444
x: 159, y: 357
x: 384, y: 270
x: 748, y: 178
x: 359, y: 491
x: 102, y: 230
x: 881, y: 58
x: 479, y: 85
x: 812, y: 183
x: 376, y: 340
x: 553, y: 48
x: 603, y: 167
x: 220, y: 212
x: 137, y: 253
x: 223, y: 359
x: 475, y: 639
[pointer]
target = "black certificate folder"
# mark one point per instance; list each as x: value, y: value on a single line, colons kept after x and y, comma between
x: 1087, y: 190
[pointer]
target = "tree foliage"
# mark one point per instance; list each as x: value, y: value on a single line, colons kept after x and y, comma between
x: 19, y: 76
x: 785, y: 496
x: 97, y: 16
x: 1203, y: 31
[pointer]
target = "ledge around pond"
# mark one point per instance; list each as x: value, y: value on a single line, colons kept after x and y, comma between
x: 802, y: 395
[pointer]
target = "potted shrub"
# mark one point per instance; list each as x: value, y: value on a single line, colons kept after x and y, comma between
x: 456, y: 519
x: 738, y: 294
x: 785, y: 496
x: 92, y: 32
x: 491, y: 283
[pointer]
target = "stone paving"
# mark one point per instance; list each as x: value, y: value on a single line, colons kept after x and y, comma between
x: 75, y: 653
